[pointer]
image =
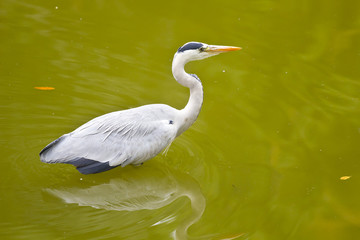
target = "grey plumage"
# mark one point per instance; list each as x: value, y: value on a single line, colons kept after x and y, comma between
x: 115, y: 139
x: 135, y: 135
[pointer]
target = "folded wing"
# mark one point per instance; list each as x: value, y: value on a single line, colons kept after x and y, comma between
x: 119, y: 138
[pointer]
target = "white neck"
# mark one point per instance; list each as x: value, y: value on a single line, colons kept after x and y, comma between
x: 189, y: 114
x: 192, y: 109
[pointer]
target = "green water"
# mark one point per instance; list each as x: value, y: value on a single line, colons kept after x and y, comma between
x: 279, y: 127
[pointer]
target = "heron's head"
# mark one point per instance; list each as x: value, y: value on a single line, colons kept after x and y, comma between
x: 196, y: 51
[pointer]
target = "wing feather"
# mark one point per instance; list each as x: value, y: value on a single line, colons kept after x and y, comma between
x: 125, y: 137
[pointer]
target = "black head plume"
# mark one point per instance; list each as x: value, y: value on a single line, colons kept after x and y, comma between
x: 189, y: 46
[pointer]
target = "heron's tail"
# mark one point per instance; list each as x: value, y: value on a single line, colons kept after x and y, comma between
x: 46, y: 149
x: 84, y: 165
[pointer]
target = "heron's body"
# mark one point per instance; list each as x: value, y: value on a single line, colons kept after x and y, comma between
x: 131, y: 136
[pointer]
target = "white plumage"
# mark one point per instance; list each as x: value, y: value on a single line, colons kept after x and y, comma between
x: 135, y: 135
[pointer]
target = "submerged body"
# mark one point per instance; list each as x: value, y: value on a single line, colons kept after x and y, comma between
x: 135, y: 135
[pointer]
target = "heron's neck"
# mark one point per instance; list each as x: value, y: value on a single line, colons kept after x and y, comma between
x: 193, y: 107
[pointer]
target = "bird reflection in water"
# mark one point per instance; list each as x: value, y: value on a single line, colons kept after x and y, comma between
x: 146, y: 188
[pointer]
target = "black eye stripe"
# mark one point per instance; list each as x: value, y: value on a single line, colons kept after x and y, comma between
x: 191, y: 45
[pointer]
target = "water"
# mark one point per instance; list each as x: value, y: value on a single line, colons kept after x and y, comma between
x: 278, y: 129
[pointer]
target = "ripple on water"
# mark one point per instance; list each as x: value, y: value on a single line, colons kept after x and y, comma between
x: 139, y: 198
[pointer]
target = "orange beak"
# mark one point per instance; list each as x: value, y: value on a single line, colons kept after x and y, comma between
x: 220, y: 49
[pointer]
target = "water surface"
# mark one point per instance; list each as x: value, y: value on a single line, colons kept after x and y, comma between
x: 279, y: 128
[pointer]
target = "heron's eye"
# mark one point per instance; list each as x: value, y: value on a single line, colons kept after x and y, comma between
x: 202, y: 49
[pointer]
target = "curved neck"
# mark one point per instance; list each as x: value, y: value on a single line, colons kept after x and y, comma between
x: 193, y: 107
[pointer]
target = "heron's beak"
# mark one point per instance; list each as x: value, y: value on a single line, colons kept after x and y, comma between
x: 220, y: 49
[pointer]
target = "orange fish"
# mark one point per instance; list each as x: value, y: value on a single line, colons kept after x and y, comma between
x: 45, y: 88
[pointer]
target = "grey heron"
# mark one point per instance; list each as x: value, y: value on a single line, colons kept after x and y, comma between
x: 135, y: 135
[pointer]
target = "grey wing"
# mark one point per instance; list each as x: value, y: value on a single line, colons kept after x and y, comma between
x: 119, y: 138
